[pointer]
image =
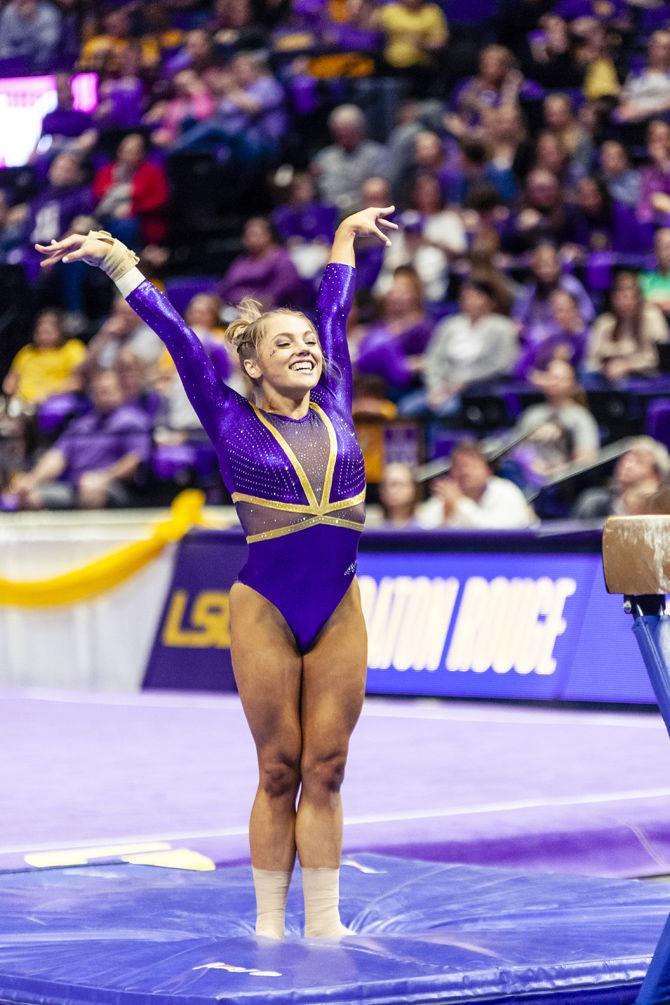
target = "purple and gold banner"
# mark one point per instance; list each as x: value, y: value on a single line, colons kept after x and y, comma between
x: 504, y: 615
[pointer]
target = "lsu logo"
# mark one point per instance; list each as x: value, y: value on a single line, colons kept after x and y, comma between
x: 202, y: 624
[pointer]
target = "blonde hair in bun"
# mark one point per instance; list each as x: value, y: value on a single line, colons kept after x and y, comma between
x: 246, y: 333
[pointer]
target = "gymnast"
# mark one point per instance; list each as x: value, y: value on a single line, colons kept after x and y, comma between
x: 293, y: 466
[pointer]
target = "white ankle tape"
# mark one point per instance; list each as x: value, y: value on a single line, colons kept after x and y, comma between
x: 271, y: 892
x: 321, y: 891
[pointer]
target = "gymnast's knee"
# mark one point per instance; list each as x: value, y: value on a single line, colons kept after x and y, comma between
x: 279, y: 774
x: 322, y: 772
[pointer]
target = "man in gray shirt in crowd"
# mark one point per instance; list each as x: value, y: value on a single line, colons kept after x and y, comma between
x: 341, y: 168
x: 29, y: 30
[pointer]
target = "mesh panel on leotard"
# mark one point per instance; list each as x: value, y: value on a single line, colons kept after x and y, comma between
x: 307, y: 453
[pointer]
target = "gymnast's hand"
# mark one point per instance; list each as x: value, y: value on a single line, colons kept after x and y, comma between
x: 370, y: 221
x: 77, y: 247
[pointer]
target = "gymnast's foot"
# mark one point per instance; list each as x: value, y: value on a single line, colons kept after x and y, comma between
x: 274, y: 932
x: 332, y: 933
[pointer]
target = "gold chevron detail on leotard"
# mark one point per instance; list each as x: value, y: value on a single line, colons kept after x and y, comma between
x: 316, y: 511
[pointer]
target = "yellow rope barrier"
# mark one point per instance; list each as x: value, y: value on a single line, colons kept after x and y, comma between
x: 103, y: 574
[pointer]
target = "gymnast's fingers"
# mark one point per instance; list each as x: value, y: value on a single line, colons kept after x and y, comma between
x: 381, y: 235
x: 52, y: 259
x: 68, y: 242
x: 381, y: 222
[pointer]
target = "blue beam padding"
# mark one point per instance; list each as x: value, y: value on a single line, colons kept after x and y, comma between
x: 653, y: 638
x: 655, y: 988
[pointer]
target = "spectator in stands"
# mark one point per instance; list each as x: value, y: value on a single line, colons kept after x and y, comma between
x: 66, y: 129
x: 11, y: 228
x: 47, y: 366
x: 654, y: 204
x: 551, y: 61
x: 398, y: 497
x: 131, y: 194
x: 648, y: 93
x: 94, y: 463
x: 474, y: 170
x: 533, y: 307
x: 203, y: 315
x: 234, y: 26
x: 133, y: 375
x: 250, y: 120
x: 505, y: 134
x: 122, y: 329
x: 475, y: 345
x: 370, y: 253
x: 656, y: 284
x: 415, y: 33
x: 595, y: 51
x: 392, y: 347
x: 429, y: 155
x: 551, y: 155
x: 485, y: 261
x: 51, y: 212
x: 497, y: 84
x: 121, y: 96
x: 113, y: 40
x: 596, y: 222
x: 73, y: 27
x: 341, y: 169
x: 539, y: 216
x: 561, y: 121
x: 622, y: 181
x: 624, y: 341
x: 197, y: 53
x: 412, y: 250
x: 638, y: 475
x: 191, y: 102
x: 560, y: 431
x: 430, y: 236
x: 30, y: 31
x: 177, y: 420
x: 566, y: 339
x: 264, y: 271
x: 306, y: 225
x: 472, y: 496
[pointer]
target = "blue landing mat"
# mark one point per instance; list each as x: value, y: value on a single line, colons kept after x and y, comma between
x: 425, y: 932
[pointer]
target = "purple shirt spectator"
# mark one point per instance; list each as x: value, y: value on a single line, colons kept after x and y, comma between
x: 603, y: 224
x: 313, y: 222
x: 97, y: 440
x: 121, y: 103
x: 533, y: 310
x: 52, y: 211
x: 559, y: 344
x: 68, y: 122
x: 384, y: 353
x: 655, y: 180
x: 269, y: 122
x: 272, y: 279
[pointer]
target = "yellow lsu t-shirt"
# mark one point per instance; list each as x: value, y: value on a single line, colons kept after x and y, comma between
x: 43, y: 372
x: 406, y: 28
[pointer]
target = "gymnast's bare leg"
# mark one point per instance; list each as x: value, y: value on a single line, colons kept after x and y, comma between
x: 301, y: 711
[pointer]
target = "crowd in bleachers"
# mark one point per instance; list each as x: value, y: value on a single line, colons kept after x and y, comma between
x: 524, y: 300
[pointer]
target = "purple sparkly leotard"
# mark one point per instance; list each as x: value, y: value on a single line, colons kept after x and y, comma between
x: 298, y: 484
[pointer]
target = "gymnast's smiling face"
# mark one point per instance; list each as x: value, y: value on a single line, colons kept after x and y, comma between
x: 289, y: 357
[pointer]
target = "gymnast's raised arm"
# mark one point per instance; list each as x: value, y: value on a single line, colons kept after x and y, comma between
x: 208, y: 395
x: 337, y: 291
